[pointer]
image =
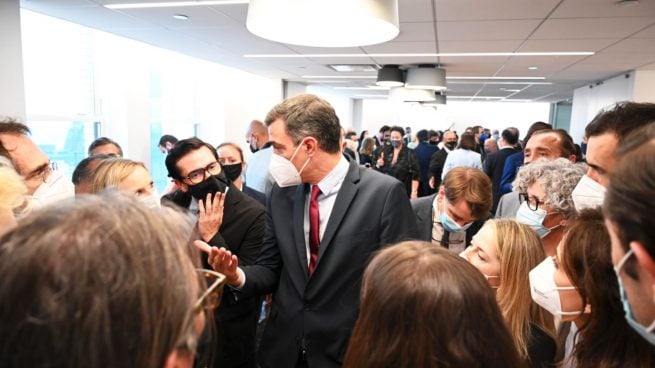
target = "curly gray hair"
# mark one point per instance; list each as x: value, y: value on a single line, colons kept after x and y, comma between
x: 557, y: 178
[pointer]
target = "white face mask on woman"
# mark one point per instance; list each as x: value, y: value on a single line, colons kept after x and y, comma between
x: 545, y: 292
x: 283, y: 170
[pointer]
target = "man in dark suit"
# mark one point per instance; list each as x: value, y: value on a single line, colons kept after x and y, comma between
x: 451, y: 217
x: 438, y: 159
x: 326, y: 217
x: 424, y: 152
x: 229, y: 219
x: 494, y: 163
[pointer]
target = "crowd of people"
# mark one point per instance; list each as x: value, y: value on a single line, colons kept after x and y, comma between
x: 334, y: 248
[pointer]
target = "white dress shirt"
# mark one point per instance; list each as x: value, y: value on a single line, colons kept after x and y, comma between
x: 329, y: 186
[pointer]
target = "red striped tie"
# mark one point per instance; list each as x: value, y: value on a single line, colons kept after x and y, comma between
x: 314, y: 229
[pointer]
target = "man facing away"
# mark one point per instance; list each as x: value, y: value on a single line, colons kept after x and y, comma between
x: 326, y: 217
x: 257, y: 175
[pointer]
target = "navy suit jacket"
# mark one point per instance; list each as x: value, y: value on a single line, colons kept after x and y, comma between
x: 317, y: 312
x: 424, y: 152
x: 512, y: 165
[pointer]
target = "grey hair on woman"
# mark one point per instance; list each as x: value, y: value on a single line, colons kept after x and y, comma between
x: 557, y: 178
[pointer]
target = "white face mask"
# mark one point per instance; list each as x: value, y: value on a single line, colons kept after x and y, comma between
x: 150, y: 200
x: 588, y: 194
x: 55, y: 188
x: 283, y: 170
x: 545, y: 292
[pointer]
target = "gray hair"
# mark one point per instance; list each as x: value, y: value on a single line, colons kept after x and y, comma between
x: 557, y: 178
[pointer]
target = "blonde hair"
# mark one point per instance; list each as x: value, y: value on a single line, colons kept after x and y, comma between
x: 519, y: 251
x: 12, y: 188
x: 111, y: 172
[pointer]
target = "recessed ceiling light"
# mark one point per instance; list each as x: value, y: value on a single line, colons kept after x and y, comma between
x: 533, y: 67
x: 509, y: 90
x: 626, y: 3
x: 173, y: 4
x: 180, y: 16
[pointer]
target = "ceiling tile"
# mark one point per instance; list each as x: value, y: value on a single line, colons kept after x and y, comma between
x: 580, y: 28
x: 593, y: 45
x: 596, y: 9
x: 402, y: 47
x: 646, y: 33
x: 448, y: 10
x: 485, y: 30
x: 415, y: 31
x: 415, y: 11
x: 479, y: 46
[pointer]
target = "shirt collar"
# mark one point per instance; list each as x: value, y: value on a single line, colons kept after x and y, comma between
x: 332, y: 181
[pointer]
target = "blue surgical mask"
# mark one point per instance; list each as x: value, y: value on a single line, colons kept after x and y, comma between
x: 645, y: 332
x: 449, y: 224
x: 534, y: 219
x: 395, y: 143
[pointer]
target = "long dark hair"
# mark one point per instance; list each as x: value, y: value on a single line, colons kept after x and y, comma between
x: 423, y: 306
x: 586, y: 260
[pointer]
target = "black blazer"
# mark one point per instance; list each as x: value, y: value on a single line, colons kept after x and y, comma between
x: 437, y: 161
x: 422, y: 208
x: 317, y: 313
x: 255, y: 194
x: 493, y: 166
x: 242, y: 233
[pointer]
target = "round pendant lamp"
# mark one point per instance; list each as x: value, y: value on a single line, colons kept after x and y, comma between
x: 324, y: 23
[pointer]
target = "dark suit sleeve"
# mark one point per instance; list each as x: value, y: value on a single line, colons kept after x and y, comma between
x: 487, y: 165
x: 263, y: 277
x: 398, y: 219
x: 415, y: 169
x: 436, y: 167
x: 509, y: 173
x: 251, y: 244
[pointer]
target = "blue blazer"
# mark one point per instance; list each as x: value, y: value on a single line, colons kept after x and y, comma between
x: 512, y: 165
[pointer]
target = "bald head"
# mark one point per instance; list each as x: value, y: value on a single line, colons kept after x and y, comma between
x: 257, y: 134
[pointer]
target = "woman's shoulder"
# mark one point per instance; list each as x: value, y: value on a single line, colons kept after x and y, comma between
x: 541, y: 347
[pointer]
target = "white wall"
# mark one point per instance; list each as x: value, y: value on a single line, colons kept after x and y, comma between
x: 591, y: 99
x: 456, y: 115
x: 247, y: 97
x: 343, y: 106
x: 644, y: 86
x: 12, y: 93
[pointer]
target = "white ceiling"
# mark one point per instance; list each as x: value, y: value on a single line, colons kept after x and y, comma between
x: 623, y: 39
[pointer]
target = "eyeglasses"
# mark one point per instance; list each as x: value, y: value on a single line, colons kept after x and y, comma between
x: 43, y: 171
x: 198, y: 176
x: 533, y: 202
x: 211, y: 297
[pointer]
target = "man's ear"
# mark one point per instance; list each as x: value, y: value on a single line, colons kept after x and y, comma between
x: 311, y: 145
x: 644, y: 259
x: 181, y: 185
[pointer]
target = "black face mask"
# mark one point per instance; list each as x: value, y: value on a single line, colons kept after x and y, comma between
x: 434, y: 143
x: 232, y: 171
x: 211, y: 185
x: 451, y: 145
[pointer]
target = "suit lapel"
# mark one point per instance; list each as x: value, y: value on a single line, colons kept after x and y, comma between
x: 299, y: 225
x: 341, y: 205
x: 425, y: 217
